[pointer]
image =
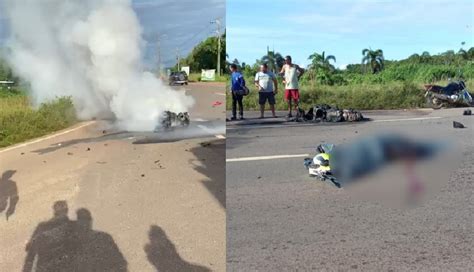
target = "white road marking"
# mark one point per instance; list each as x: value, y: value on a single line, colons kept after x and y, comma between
x: 47, y: 137
x: 221, y: 94
x: 407, y: 119
x: 220, y: 136
x: 266, y: 158
x: 199, y: 120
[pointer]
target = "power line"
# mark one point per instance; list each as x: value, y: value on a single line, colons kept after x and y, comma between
x: 194, y: 36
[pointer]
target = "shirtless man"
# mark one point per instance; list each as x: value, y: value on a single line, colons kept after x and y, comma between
x: 291, y: 73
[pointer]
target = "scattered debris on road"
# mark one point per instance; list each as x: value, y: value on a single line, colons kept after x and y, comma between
x: 205, y: 144
x: 458, y: 125
x: 22, y: 153
x: 70, y: 153
x: 104, y: 131
x: 143, y: 175
x: 101, y: 162
x: 467, y: 112
x: 216, y: 103
x: 88, y: 149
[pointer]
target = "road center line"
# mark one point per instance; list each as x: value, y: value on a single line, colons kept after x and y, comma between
x: 221, y: 94
x: 275, y: 157
x: 220, y: 136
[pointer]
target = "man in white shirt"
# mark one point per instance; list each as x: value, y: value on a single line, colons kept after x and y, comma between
x: 291, y: 73
x: 267, y: 87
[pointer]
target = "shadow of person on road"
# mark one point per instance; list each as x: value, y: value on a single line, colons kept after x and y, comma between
x: 96, y: 250
x: 162, y: 254
x: 8, y: 193
x: 211, y: 156
x: 61, y: 244
x: 51, y: 243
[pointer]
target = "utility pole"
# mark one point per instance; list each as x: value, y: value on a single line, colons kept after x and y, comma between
x: 218, y: 23
x: 177, y: 58
x: 159, y: 56
x: 158, y: 52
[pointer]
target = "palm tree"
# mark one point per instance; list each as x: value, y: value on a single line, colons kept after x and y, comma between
x: 470, y: 52
x: 425, y: 56
x: 448, y: 57
x: 463, y: 54
x: 274, y: 61
x: 321, y: 61
x: 416, y: 58
x: 374, y: 58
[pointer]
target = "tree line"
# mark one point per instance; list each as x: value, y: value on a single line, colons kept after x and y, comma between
x: 204, y: 55
x: 374, y: 68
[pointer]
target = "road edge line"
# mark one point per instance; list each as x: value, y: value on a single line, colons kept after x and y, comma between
x: 44, y: 138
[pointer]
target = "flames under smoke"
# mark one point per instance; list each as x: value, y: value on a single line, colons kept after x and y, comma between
x: 89, y: 50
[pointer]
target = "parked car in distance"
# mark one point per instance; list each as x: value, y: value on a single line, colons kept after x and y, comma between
x: 180, y: 78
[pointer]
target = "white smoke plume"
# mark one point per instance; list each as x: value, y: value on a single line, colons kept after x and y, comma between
x: 89, y: 50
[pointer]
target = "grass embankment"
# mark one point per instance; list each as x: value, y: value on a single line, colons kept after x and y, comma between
x: 20, y: 122
x: 394, y: 95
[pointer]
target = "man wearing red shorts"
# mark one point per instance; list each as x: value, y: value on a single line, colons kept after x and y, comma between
x: 291, y: 74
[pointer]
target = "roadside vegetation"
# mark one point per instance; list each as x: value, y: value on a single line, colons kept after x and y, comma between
x: 204, y: 56
x: 196, y: 77
x: 20, y: 122
x: 375, y: 83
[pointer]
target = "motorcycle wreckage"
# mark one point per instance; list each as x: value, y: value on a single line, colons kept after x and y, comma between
x: 171, y: 119
x: 455, y: 94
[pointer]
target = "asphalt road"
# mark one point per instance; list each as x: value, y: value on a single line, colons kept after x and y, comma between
x: 280, y: 219
x: 155, y: 201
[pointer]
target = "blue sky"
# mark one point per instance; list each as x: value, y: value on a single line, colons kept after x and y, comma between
x: 182, y: 23
x: 344, y: 27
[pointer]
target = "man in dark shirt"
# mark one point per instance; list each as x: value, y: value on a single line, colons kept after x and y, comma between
x: 237, y: 83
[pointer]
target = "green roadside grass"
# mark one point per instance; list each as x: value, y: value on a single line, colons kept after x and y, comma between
x: 394, y: 95
x: 196, y: 77
x: 20, y: 122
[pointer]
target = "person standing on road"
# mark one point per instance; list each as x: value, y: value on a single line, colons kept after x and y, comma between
x: 291, y: 73
x: 267, y: 87
x: 237, y: 83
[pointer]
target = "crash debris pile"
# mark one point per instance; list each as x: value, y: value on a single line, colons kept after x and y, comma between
x: 327, y: 113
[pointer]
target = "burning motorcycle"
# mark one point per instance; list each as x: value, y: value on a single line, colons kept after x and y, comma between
x: 172, y: 119
x: 455, y: 94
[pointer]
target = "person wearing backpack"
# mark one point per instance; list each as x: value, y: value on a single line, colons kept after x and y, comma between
x: 238, y: 90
